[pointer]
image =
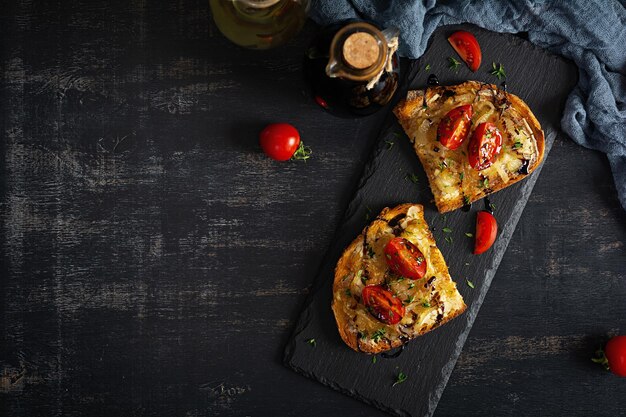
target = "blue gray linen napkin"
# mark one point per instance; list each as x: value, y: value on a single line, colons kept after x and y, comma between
x: 592, y: 33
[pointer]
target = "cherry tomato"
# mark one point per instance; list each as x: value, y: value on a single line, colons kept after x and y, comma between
x: 615, y: 351
x: 466, y: 45
x: 279, y: 141
x: 404, y: 258
x: 454, y: 127
x: 484, y: 146
x: 382, y: 304
x: 486, y: 230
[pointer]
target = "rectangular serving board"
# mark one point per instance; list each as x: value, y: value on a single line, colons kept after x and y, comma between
x: 543, y: 81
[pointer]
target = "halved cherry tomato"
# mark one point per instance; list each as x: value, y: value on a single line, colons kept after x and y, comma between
x: 404, y: 258
x: 466, y: 45
x: 486, y: 231
x: 279, y: 141
x: 382, y: 304
x: 615, y: 351
x: 484, y: 146
x: 454, y: 127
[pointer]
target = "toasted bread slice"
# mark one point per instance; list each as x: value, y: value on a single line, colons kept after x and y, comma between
x: 429, y: 302
x: 453, y: 181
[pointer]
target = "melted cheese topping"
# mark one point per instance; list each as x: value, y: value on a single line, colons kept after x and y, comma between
x: 428, y: 301
x: 451, y: 177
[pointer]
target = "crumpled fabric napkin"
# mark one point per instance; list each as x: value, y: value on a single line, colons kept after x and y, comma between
x: 592, y: 33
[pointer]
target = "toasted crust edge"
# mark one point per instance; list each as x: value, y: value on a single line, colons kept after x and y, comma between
x: 342, y: 320
x: 404, y: 110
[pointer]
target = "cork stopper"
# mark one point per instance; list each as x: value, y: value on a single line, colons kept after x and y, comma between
x: 360, y: 50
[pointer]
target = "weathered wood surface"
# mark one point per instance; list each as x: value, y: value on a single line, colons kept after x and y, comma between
x: 153, y: 262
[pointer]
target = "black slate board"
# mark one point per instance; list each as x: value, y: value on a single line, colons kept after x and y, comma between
x: 543, y: 81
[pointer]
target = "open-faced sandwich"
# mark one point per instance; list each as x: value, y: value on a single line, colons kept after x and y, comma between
x: 392, y: 284
x: 473, y: 139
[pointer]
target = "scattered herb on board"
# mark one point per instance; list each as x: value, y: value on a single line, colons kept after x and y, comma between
x: 389, y: 144
x: 492, y: 206
x: 413, y: 178
x: 427, y: 67
x: 312, y: 342
x: 454, y: 64
x: 378, y: 334
x: 449, y: 239
x: 368, y: 213
x: 497, y: 70
x: 397, y: 134
x: 447, y: 230
x: 469, y: 283
x: 400, y: 379
x: 468, y: 234
x: 374, y: 359
x: 302, y: 153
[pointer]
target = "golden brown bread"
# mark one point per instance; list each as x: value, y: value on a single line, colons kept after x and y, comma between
x: 453, y: 181
x: 429, y: 302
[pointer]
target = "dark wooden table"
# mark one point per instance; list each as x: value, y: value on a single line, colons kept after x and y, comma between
x: 153, y: 261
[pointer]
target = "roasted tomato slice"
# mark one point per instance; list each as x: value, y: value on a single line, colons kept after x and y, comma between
x: 382, y: 304
x: 486, y: 231
x: 404, y: 258
x: 466, y: 45
x: 484, y: 146
x: 454, y: 127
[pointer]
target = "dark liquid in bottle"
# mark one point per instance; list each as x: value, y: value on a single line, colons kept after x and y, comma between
x: 342, y: 97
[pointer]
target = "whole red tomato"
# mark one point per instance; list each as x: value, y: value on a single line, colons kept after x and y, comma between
x: 615, y: 351
x: 279, y: 141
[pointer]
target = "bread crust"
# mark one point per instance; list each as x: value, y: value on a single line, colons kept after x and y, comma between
x: 353, y: 256
x: 406, y: 110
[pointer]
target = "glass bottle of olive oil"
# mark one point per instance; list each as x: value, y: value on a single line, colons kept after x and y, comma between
x: 259, y: 24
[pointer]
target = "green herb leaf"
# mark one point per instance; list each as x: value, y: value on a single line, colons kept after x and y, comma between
x: 449, y: 239
x: 498, y: 70
x: 400, y: 379
x: 409, y: 300
x: 492, y: 206
x: 426, y: 304
x: 413, y: 178
x: 374, y: 359
x: 447, y: 230
x: 468, y: 234
x: 389, y: 144
x: 378, y: 334
x: 454, y: 64
x: 427, y: 67
x: 517, y: 144
x: 461, y: 176
x: 368, y: 213
x: 600, y: 357
x: 312, y: 342
x: 466, y: 200
x: 302, y: 153
x: 484, y: 183
x: 469, y: 283
x: 411, y: 286
x: 348, y: 292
